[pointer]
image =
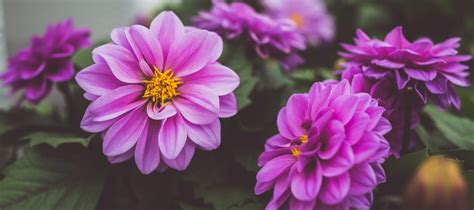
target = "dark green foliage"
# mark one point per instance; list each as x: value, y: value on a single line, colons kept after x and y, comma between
x: 75, y: 175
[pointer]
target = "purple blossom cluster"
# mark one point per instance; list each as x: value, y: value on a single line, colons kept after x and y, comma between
x: 403, y: 75
x: 309, y: 16
x: 271, y: 38
x: 157, y: 93
x: 328, y: 152
x: 47, y: 60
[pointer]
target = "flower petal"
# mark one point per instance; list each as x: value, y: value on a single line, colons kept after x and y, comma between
x: 182, y: 161
x: 193, y: 51
x: 117, y: 102
x: 363, y: 179
x: 122, y: 157
x: 335, y: 189
x: 305, y: 186
x: 339, y: 163
x: 160, y: 113
x: 145, y: 45
x: 98, y: 79
x: 198, y: 104
x: 227, y: 105
x: 275, y: 167
x: 208, y: 137
x: 216, y: 77
x: 168, y: 28
x: 147, y: 152
x: 172, y: 137
x: 124, y: 133
x: 121, y: 62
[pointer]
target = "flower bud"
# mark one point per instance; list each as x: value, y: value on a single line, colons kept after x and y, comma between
x: 438, y: 184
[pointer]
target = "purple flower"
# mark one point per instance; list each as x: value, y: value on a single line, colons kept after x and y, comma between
x: 309, y: 16
x: 277, y: 39
x: 158, y: 93
x: 403, y: 75
x: 47, y: 60
x: 328, y: 152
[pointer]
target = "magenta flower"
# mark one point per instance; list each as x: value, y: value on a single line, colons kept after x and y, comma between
x: 158, y: 93
x: 309, y: 16
x: 46, y: 61
x: 403, y: 75
x: 277, y: 39
x: 328, y: 152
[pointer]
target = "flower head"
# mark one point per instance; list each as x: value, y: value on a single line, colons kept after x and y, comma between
x: 309, y: 16
x: 158, y: 93
x: 403, y: 75
x: 47, y: 60
x: 328, y: 152
x: 277, y: 39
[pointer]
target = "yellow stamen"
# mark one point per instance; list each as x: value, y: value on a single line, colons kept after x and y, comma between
x: 297, y: 19
x: 296, y: 152
x: 162, y: 87
x: 304, y: 139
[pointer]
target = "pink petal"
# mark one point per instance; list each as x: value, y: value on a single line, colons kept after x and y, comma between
x: 145, y: 45
x: 117, y: 102
x: 296, y: 204
x: 122, y: 157
x: 296, y: 109
x: 37, y: 90
x: 339, y: 163
x: 356, y: 127
x: 89, y: 125
x: 198, y: 104
x: 420, y: 74
x: 182, y: 161
x: 335, y: 189
x: 396, y: 38
x: 172, y: 137
x: 121, y: 62
x: 98, y: 79
x: 124, y: 133
x: 305, y: 186
x: 120, y: 38
x: 363, y: 179
x: 194, y: 51
x: 168, y: 28
x: 366, y: 147
x: 160, y: 113
x: 216, y: 77
x: 275, y: 167
x: 147, y: 152
x: 227, y: 105
x: 208, y: 137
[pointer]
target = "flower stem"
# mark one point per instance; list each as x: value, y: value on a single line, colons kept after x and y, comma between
x: 66, y: 92
x: 407, y: 124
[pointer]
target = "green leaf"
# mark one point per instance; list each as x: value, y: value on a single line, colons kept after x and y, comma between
x: 42, y: 179
x: 224, y: 197
x: 56, y: 139
x: 458, y: 130
x: 272, y: 76
x: 241, y: 66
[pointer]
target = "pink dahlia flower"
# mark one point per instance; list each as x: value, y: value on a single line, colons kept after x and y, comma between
x: 328, y: 152
x: 309, y: 16
x: 158, y: 93
x: 403, y: 75
x: 277, y: 39
x: 46, y: 61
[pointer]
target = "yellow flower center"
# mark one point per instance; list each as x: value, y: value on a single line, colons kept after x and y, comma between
x: 162, y: 87
x: 297, y: 19
x: 304, y: 139
x: 295, y: 151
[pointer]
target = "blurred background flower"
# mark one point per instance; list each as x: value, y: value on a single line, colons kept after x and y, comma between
x: 438, y: 184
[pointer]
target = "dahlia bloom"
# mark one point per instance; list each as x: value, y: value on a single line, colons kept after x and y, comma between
x: 328, y: 152
x: 403, y: 75
x: 277, y: 39
x: 309, y: 16
x: 158, y: 93
x: 46, y: 61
